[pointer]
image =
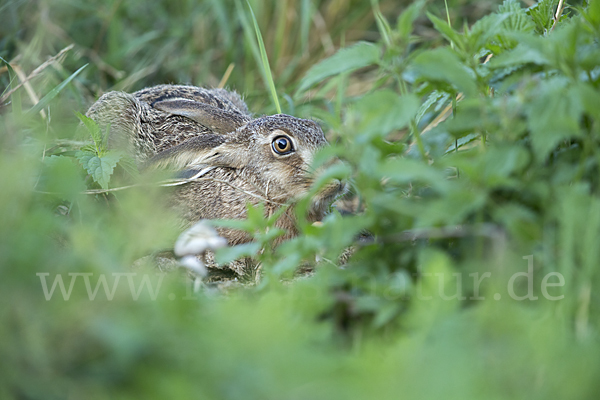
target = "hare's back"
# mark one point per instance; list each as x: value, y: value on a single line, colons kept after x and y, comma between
x: 218, y: 98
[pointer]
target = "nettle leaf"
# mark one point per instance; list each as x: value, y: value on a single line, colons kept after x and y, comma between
x: 240, y: 224
x: 517, y: 19
x: 459, y: 143
x: 553, y: 116
x: 100, y: 168
x: 541, y: 14
x: 348, y: 59
x: 490, y: 31
x: 483, y: 30
x: 338, y: 232
x: 225, y: 255
x: 62, y: 176
x: 88, y: 147
x: 288, y: 263
x: 128, y: 164
x: 339, y: 171
x: 443, y: 64
x: 472, y: 116
x: 256, y: 215
x: 588, y: 96
x: 383, y: 25
x: 500, y: 163
x: 94, y: 131
x: 405, y: 22
x: 592, y: 13
x: 446, y: 30
x: 84, y: 156
x: 405, y: 171
x: 436, y: 142
x: 431, y: 100
x: 385, y: 313
x: 384, y: 111
x: 522, y: 54
x: 456, y: 206
x: 270, y: 235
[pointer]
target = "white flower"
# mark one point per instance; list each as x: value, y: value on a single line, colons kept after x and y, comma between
x: 195, y: 242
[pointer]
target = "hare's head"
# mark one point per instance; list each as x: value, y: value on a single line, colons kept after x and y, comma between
x: 273, y: 153
x: 280, y: 149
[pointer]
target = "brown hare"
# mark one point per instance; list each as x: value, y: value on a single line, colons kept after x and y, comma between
x: 208, y: 134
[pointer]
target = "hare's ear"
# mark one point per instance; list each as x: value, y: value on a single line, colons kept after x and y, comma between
x: 208, y: 149
x: 219, y: 120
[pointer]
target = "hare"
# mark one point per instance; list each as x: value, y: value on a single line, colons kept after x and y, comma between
x: 234, y: 159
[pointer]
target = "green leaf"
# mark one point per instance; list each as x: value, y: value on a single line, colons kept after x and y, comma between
x: 100, y: 168
x: 456, y: 206
x: 431, y: 100
x: 405, y: 171
x: 88, y: 147
x: 494, y: 167
x: 385, y: 313
x: 592, y: 13
x: 54, y: 92
x: 382, y: 23
x: 269, y: 235
x: 62, y: 176
x: 339, y: 171
x: 472, y: 115
x: 518, y: 20
x: 405, y: 22
x: 287, y: 264
x: 94, y: 131
x: 337, y: 232
x: 541, y: 14
x: 384, y: 111
x: 522, y: 54
x: 481, y: 33
x: 350, y: 58
x: 500, y: 163
x: 240, y: 224
x: 128, y: 164
x: 510, y: 18
x: 588, y: 96
x: 553, y: 116
x: 462, y: 142
x: 256, y: 215
x: 226, y: 255
x: 443, y: 65
x: 446, y: 30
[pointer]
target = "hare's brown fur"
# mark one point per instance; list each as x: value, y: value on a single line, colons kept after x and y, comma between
x: 192, y: 129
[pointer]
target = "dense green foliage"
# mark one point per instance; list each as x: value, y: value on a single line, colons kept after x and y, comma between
x: 473, y: 155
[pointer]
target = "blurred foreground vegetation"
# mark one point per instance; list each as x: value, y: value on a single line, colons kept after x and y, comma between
x: 472, y: 150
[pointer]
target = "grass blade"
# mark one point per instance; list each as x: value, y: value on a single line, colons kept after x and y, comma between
x: 382, y: 24
x: 305, y: 19
x: 247, y: 30
x: 52, y: 94
x: 265, y: 62
x: 16, y: 95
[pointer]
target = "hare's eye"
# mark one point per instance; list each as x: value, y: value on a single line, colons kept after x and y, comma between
x: 282, y: 145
